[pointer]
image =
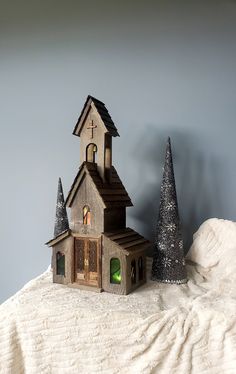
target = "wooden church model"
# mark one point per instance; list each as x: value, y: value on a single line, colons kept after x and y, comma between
x: 97, y: 251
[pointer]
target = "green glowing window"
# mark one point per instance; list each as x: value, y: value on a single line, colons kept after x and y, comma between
x: 115, y: 272
x: 60, y: 263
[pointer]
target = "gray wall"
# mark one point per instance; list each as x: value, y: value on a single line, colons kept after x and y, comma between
x: 162, y: 68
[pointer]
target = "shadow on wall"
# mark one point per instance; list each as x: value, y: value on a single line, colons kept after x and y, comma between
x: 196, y: 176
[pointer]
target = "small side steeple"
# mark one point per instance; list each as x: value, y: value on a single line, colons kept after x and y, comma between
x: 61, y: 220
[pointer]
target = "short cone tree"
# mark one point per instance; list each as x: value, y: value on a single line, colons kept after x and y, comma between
x: 61, y: 220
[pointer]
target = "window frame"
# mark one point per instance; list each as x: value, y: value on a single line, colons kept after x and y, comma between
x: 86, y: 215
x: 59, y: 256
x: 112, y: 279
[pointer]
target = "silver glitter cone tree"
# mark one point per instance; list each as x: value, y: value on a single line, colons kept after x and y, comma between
x: 168, y: 259
x: 61, y: 220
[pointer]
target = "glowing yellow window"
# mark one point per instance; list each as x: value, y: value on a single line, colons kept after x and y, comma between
x: 86, y: 215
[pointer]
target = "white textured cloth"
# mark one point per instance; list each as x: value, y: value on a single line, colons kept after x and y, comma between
x: 160, y: 328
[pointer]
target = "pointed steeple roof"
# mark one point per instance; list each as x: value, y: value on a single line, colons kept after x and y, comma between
x: 103, y: 113
x: 168, y: 259
x: 61, y: 220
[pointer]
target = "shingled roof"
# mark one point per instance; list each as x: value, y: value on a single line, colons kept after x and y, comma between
x: 128, y: 240
x: 103, y: 112
x: 63, y: 235
x: 112, y: 194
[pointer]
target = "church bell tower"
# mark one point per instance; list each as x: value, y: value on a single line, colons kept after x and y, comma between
x: 96, y: 128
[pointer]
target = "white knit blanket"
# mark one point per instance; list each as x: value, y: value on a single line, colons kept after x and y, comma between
x: 160, y: 328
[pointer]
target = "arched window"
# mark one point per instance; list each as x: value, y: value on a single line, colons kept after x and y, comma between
x: 91, y: 152
x: 115, y: 271
x: 140, y: 268
x: 133, y: 272
x: 86, y: 215
x: 60, y: 258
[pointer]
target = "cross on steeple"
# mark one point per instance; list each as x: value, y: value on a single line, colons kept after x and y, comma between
x: 92, y: 126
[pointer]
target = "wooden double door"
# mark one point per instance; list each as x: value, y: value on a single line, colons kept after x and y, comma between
x: 88, y: 261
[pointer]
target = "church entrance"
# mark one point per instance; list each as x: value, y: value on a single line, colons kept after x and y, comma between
x: 87, y: 261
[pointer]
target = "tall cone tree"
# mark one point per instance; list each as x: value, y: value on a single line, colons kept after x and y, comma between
x: 168, y: 259
x: 61, y: 220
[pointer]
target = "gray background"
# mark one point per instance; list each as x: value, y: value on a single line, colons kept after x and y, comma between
x: 162, y: 68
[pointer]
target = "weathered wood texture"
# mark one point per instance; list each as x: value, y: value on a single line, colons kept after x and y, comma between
x: 108, y: 158
x: 87, y: 195
x: 65, y: 246
x: 98, y: 202
x: 58, y: 238
x: 138, y: 282
x: 104, y: 115
x: 91, y: 262
x: 88, y: 261
x: 113, y: 194
x: 112, y: 250
x: 97, y: 137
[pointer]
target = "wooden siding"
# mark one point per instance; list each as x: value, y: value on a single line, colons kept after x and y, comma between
x: 66, y: 247
x: 87, y: 195
x: 112, y: 250
x: 98, y: 139
x: 113, y: 194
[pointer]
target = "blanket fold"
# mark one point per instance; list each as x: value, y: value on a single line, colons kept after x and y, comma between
x: 160, y: 328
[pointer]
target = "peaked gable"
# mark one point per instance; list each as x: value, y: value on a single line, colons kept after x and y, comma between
x: 87, y: 169
x: 103, y: 113
x: 112, y: 194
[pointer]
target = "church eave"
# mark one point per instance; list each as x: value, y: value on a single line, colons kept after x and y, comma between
x: 63, y: 235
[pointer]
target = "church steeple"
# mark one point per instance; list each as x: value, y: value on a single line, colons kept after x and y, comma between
x: 96, y: 128
x: 61, y: 220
